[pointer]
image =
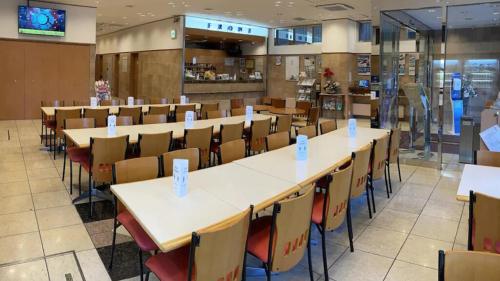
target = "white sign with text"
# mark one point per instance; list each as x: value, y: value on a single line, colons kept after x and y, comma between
x: 180, y: 176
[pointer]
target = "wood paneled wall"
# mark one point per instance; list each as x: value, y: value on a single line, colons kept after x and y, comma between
x: 36, y: 71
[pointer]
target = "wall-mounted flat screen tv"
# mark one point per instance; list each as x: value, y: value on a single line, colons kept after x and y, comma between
x: 41, y: 21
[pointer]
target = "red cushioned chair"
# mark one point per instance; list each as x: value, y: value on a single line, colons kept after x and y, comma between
x: 330, y: 214
x: 215, y: 254
x: 132, y: 170
x: 484, y: 223
x: 280, y: 240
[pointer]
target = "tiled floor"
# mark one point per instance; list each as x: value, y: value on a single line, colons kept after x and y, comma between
x: 43, y: 236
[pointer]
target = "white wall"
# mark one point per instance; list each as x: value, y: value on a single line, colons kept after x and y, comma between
x: 80, y: 22
x: 146, y: 37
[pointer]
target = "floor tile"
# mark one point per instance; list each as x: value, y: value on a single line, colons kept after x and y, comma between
x: 14, y: 188
x: 29, y: 271
x: 395, y: 220
x: 444, y: 194
x: 20, y: 247
x: 12, y: 166
x: 46, y: 185
x: 61, y: 265
x: 410, y: 272
x: 407, y: 204
x: 57, y: 217
x: 18, y: 223
x: 333, y: 252
x: 42, y: 173
x: 51, y: 199
x: 462, y: 234
x: 436, y: 228
x: 360, y: 266
x: 64, y: 239
x: 39, y: 164
x: 379, y: 241
x: 444, y: 210
x: 16, y: 204
x: 422, y: 251
x: 13, y: 176
x: 92, y: 266
x: 416, y: 190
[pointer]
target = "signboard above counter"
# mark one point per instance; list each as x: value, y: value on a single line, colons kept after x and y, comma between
x: 223, y: 26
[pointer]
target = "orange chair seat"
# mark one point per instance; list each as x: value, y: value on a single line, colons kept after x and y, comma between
x: 170, y: 266
x: 258, y: 238
x: 317, y: 212
x: 322, y: 182
x: 50, y: 123
x: 140, y: 236
x: 78, y: 155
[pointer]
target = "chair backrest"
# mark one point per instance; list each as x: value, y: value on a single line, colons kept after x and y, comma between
x: 283, y: 123
x: 78, y: 123
x: 239, y: 111
x: 81, y: 102
x: 104, y: 152
x: 139, y: 101
x: 215, y: 114
x: 155, y: 144
x: 191, y: 154
x: 309, y: 131
x: 259, y: 130
x: 290, y: 230
x: 205, y: 107
x: 154, y: 119
x: 124, y: 121
x: 313, y: 116
x: 237, y: 103
x: 277, y: 140
x: 157, y: 100
x: 230, y: 132
x: 176, y: 100
x: 135, y: 169
x: 54, y: 103
x: 180, y: 111
x: 304, y: 105
x: 231, y: 151
x: 63, y: 114
x: 278, y: 103
x: 395, y: 139
x: 361, y: 160
x: 468, y: 266
x: 337, y: 198
x: 488, y: 158
x: 484, y: 223
x: 159, y: 110
x: 201, y: 139
x: 228, y: 240
x: 379, y: 158
x: 99, y: 114
x: 327, y: 126
x: 111, y: 102
x: 266, y: 100
x: 134, y: 112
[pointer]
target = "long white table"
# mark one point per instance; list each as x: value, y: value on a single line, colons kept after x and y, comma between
x: 81, y: 137
x: 483, y: 179
x: 50, y: 111
x: 229, y: 189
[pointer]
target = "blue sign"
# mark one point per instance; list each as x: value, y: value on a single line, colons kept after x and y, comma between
x: 223, y: 26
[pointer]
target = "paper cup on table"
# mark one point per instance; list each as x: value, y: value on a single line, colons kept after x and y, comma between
x: 180, y: 177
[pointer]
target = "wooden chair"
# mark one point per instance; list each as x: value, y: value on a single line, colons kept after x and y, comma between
x: 154, y: 119
x: 309, y: 131
x: 240, y: 111
x: 304, y: 105
x: 99, y: 114
x: 279, y: 241
x: 484, y: 223
x: 164, y: 110
x: 60, y: 116
x: 487, y: 158
x: 126, y: 171
x: 180, y: 111
x: 232, y: 151
x: 278, y: 103
x: 157, y: 100
x: 277, y: 141
x: 205, y: 107
x: 201, y: 139
x: 312, y: 118
x: 359, y: 183
x: 139, y: 101
x: 468, y: 266
x: 111, y: 102
x: 48, y: 122
x: 74, y: 153
x: 237, y: 103
x: 81, y: 102
x: 215, y: 114
x: 197, y: 261
x: 124, y: 121
x: 227, y: 133
x: 104, y: 152
x: 259, y: 130
x: 327, y: 126
x: 134, y: 112
x: 393, y: 152
x: 378, y: 165
x: 330, y: 214
x: 154, y: 144
x: 283, y: 123
x: 266, y: 100
x: 176, y: 100
x: 191, y: 154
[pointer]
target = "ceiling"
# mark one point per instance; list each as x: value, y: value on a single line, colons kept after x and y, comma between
x: 113, y: 15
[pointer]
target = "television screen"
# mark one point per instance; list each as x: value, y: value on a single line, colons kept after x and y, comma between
x: 41, y: 21
x: 364, y: 83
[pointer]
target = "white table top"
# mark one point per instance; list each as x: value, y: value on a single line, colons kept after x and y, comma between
x: 50, y: 111
x: 483, y: 179
x: 81, y: 137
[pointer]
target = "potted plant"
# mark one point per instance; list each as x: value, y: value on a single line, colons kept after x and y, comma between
x: 331, y: 87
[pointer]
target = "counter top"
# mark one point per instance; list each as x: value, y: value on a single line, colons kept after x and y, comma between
x: 222, y: 81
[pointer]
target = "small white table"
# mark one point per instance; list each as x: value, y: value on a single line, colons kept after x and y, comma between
x: 482, y: 179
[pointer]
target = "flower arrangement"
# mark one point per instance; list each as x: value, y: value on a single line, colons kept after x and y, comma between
x: 331, y: 86
x: 328, y: 73
x: 102, y: 90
